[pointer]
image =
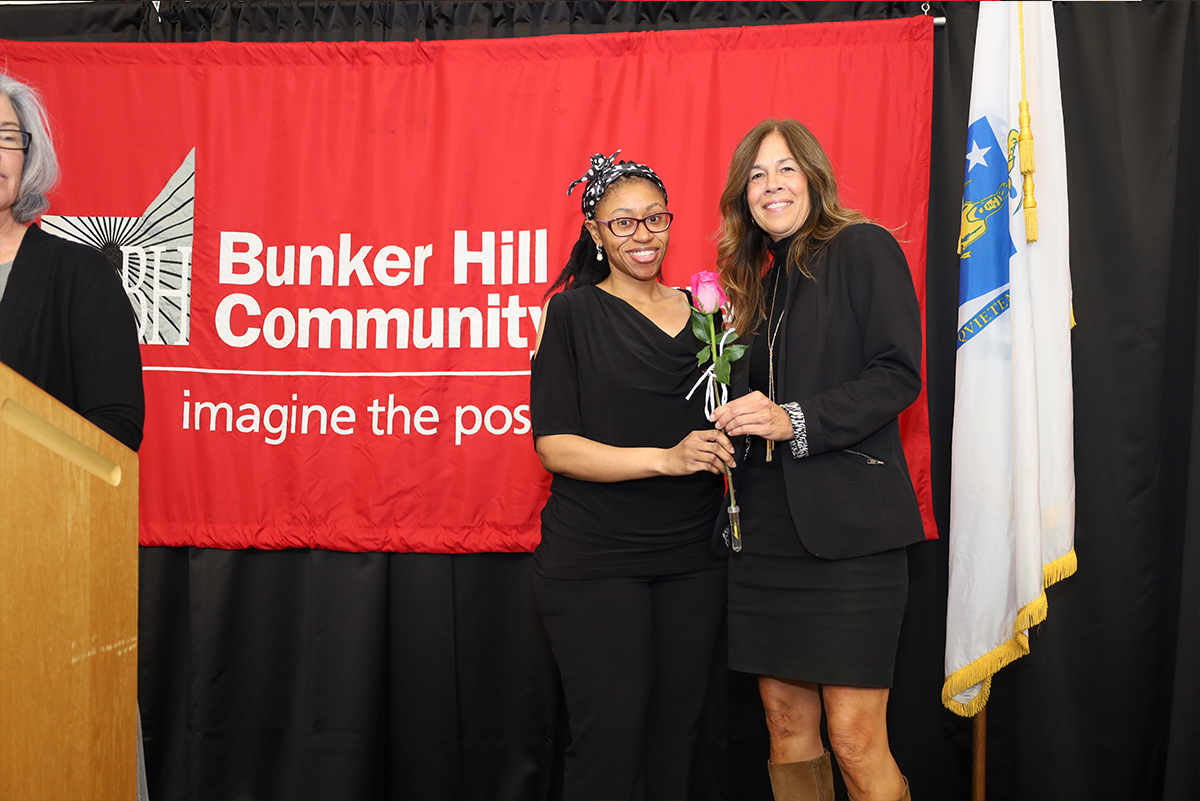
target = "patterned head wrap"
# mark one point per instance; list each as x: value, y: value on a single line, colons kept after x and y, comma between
x: 602, y: 174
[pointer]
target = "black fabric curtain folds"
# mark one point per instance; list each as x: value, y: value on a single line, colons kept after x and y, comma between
x: 322, y: 675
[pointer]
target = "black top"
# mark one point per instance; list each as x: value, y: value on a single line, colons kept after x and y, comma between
x: 605, y: 372
x: 775, y: 290
x: 67, y: 326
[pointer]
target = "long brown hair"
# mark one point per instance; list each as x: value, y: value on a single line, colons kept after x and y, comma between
x: 742, y: 246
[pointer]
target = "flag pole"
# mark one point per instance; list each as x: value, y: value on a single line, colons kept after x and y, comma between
x: 979, y: 755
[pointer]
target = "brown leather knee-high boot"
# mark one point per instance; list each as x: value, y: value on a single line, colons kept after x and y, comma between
x: 802, y: 781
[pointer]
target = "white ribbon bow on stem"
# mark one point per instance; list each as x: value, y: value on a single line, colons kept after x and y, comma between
x: 715, y: 394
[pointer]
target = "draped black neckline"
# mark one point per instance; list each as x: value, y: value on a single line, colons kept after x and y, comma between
x: 645, y: 321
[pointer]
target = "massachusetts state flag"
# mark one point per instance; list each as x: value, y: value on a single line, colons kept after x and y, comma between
x: 1012, y: 507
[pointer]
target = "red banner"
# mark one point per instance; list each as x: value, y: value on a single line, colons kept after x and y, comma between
x: 338, y: 252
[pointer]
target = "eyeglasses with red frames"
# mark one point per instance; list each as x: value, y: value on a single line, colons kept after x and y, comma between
x: 625, y: 227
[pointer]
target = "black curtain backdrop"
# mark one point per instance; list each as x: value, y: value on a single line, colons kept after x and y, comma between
x: 320, y: 675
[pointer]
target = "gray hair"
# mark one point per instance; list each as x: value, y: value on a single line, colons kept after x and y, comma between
x: 40, y: 173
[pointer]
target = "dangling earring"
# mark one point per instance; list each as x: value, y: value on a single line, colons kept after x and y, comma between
x: 599, y: 253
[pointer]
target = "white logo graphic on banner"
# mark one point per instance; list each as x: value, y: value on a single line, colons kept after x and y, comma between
x: 152, y: 253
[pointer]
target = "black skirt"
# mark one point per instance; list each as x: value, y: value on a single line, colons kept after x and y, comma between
x: 793, y: 615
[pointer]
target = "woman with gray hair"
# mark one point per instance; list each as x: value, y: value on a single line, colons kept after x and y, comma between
x: 65, y: 322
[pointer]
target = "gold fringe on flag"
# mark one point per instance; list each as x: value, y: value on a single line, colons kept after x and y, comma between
x: 1060, y: 568
x: 1026, y: 142
x: 981, y: 670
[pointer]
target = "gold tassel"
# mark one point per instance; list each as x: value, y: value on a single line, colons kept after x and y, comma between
x: 1026, y: 144
x: 1031, y: 222
x: 1026, y: 138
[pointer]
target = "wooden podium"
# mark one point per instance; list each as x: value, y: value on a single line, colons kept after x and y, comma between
x: 68, y: 602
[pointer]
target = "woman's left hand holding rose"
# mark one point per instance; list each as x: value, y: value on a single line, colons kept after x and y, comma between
x: 699, y: 451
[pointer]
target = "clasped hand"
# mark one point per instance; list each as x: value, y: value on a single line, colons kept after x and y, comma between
x: 700, y: 450
x: 753, y: 414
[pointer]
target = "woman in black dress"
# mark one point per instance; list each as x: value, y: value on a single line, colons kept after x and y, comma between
x: 628, y: 588
x: 817, y: 593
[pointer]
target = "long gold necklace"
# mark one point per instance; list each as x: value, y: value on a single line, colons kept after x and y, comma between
x: 771, y: 349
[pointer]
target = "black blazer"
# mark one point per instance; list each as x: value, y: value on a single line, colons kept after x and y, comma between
x: 67, y: 325
x: 850, y: 355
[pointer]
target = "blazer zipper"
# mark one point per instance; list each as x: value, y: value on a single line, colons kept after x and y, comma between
x: 870, y: 459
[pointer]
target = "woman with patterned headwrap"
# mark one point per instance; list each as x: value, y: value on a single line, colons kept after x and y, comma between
x: 630, y: 594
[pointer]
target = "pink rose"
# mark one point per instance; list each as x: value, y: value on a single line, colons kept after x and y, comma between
x: 707, y: 295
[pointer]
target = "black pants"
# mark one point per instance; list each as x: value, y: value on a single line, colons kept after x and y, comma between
x: 634, y: 654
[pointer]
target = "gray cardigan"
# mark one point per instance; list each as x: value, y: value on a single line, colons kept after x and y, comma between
x: 67, y: 326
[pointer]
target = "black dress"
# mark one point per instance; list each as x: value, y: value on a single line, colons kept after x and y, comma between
x: 792, y: 614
